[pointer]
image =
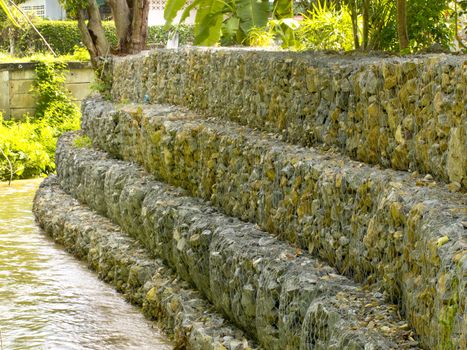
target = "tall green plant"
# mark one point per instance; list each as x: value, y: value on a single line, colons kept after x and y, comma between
x: 230, y: 20
x: 428, y: 23
x: 54, y: 104
x: 326, y: 28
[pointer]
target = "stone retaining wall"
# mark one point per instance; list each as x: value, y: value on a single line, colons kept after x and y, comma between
x: 16, y: 81
x: 408, y: 235
x: 182, y: 312
x: 273, y: 291
x: 405, y: 113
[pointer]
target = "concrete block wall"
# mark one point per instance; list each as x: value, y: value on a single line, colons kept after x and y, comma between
x: 16, y: 81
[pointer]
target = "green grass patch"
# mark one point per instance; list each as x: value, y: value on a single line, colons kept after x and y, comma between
x: 82, y: 142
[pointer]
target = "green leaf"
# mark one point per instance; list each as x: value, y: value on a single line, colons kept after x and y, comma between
x: 289, y: 22
x: 252, y: 13
x: 230, y: 28
x: 6, y: 10
x: 208, y: 22
x: 282, y: 8
x: 188, y: 9
x: 171, y: 9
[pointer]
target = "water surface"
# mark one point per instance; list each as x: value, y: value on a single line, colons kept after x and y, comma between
x: 49, y: 300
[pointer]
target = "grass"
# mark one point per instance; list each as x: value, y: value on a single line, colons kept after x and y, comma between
x: 80, y: 54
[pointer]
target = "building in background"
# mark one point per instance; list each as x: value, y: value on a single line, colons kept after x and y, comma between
x: 50, y: 9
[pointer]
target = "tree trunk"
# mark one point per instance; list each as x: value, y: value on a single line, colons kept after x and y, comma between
x: 139, y: 25
x: 131, y: 23
x: 122, y: 19
x: 366, y: 23
x: 402, y: 24
x: 93, y: 34
x: 353, y: 8
x: 11, y: 35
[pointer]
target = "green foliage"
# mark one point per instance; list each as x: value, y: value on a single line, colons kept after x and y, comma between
x: 285, y: 30
x: 228, y: 21
x: 80, y: 54
x: 208, y: 22
x: 260, y: 37
x: 326, y: 28
x: 327, y: 24
x: 65, y: 39
x: 82, y: 141
x: 102, y: 86
x: 429, y: 22
x: 252, y: 14
x: 171, y: 9
x: 30, y: 145
x: 53, y: 100
x: 158, y: 35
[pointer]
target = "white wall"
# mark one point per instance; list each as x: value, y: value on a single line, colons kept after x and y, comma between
x: 52, y: 8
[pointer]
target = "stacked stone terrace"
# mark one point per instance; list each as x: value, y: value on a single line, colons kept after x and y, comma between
x: 313, y: 201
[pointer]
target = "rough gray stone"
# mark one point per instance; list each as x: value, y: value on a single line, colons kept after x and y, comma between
x: 382, y: 110
x: 182, y: 312
x: 382, y: 226
x: 263, y: 285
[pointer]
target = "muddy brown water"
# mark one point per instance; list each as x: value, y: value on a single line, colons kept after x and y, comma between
x: 48, y: 299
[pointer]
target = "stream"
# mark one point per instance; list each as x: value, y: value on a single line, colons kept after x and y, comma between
x: 48, y: 299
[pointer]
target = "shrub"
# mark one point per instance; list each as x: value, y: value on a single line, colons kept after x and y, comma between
x: 64, y: 36
x: 53, y: 101
x: 326, y: 28
x: 27, y: 148
x: 158, y: 35
x: 429, y: 22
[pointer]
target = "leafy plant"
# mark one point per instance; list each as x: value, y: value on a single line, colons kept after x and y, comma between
x: 53, y: 100
x: 28, y: 147
x: 326, y: 28
x: 285, y: 29
x: 260, y: 37
x: 428, y: 23
x: 64, y: 37
x: 158, y: 35
x: 226, y: 20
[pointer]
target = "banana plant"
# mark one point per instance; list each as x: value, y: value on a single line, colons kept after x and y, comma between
x: 229, y: 18
x: 5, y: 8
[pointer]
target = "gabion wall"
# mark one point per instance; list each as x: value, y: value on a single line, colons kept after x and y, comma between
x: 375, y: 225
x: 402, y: 113
x: 280, y: 296
x: 182, y: 312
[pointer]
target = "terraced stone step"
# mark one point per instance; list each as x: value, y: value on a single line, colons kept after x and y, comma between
x: 181, y: 311
x: 400, y: 112
x: 275, y: 292
x: 375, y: 225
